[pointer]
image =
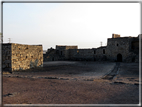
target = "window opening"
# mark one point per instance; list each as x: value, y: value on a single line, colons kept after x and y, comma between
x: 103, y: 51
x: 94, y: 51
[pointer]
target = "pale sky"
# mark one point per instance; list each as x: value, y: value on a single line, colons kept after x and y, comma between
x: 82, y: 24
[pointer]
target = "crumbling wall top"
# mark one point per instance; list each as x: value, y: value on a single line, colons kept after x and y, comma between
x: 66, y: 47
x: 115, y: 35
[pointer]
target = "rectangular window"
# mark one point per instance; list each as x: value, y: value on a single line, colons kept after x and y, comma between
x: 103, y: 51
x: 94, y: 51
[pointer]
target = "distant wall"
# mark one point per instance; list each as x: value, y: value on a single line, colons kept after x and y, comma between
x: 22, y: 57
x: 60, y: 53
x: 81, y: 54
x: 135, y: 45
x: 115, y: 35
x: 63, y: 51
x: 61, y: 47
x: 117, y: 46
x: 51, y: 55
x: 100, y: 53
x: 122, y: 49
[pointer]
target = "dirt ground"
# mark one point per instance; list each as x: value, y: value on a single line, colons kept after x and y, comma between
x: 64, y: 82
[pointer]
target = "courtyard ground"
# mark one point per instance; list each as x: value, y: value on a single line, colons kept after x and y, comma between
x: 70, y: 82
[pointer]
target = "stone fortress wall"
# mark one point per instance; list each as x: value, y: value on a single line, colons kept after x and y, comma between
x: 100, y: 53
x: 121, y: 47
x: 115, y: 35
x: 125, y: 49
x: 81, y: 54
x: 63, y: 51
x: 117, y: 46
x: 60, y: 53
x: 21, y: 57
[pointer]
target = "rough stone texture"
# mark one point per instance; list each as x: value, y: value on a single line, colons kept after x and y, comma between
x: 21, y: 57
x: 115, y: 35
x: 63, y: 50
x: 121, y: 46
x: 125, y: 49
x: 51, y: 55
x: 6, y: 57
x: 81, y: 54
x: 100, y: 54
x: 60, y: 53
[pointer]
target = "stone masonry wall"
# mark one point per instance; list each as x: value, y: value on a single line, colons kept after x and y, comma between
x: 6, y: 57
x: 63, y: 51
x: 122, y: 49
x: 22, y: 57
x: 26, y: 56
x: 51, y: 55
x: 100, y: 54
x: 81, y: 54
x: 117, y: 46
x: 115, y: 35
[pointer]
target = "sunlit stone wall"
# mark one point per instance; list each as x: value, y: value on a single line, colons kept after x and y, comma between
x: 21, y: 57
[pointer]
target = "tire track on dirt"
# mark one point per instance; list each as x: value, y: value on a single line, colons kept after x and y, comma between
x: 113, y: 73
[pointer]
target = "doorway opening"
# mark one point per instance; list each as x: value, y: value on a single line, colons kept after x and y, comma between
x: 52, y: 58
x: 119, y: 58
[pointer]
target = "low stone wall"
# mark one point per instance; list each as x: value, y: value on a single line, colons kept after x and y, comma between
x: 22, y: 57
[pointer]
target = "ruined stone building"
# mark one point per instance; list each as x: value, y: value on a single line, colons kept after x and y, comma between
x: 21, y: 57
x: 125, y: 49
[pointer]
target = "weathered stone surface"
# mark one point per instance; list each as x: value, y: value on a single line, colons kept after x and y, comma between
x: 122, y: 46
x: 81, y: 54
x: 118, y: 48
x: 21, y: 57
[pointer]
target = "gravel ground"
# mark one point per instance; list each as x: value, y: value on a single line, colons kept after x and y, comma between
x: 81, y: 83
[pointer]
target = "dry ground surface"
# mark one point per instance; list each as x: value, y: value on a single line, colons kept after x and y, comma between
x: 64, y: 82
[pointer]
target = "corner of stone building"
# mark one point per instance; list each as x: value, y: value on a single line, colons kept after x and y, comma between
x: 6, y: 57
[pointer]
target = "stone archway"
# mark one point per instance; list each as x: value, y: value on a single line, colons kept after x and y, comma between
x: 119, y: 58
